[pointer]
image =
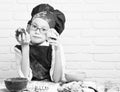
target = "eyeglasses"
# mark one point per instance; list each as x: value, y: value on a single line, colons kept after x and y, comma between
x: 35, y: 28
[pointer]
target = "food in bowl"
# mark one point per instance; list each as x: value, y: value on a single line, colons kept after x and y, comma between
x: 71, y: 87
x: 16, y: 84
x: 76, y: 87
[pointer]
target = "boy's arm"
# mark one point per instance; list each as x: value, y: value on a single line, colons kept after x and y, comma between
x: 25, y: 62
x: 57, y: 68
x: 24, y: 38
x: 56, y: 71
x: 18, y: 58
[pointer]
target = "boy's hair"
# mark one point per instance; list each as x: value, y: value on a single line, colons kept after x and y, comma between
x: 56, y: 17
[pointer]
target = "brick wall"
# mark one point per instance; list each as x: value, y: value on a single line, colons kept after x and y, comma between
x: 91, y: 39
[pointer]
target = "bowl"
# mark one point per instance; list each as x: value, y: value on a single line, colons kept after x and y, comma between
x: 75, y: 76
x: 16, y: 84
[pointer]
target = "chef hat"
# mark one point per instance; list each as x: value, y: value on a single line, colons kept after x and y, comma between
x: 46, y: 11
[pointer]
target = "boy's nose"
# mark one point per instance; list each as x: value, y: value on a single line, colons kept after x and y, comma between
x: 38, y: 31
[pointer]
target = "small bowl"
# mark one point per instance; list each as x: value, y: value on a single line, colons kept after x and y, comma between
x: 16, y: 84
x: 75, y: 77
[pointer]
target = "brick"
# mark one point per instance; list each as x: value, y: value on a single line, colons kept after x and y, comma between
x: 7, y: 57
x: 7, y: 2
x: 99, y: 73
x: 104, y: 5
x: 13, y: 65
x: 80, y: 8
x: 5, y: 16
x: 107, y: 57
x: 78, y: 24
x: 4, y: 49
x: 19, y: 7
x: 89, y: 8
x: 7, y: 41
x: 110, y: 7
x: 31, y: 1
x: 76, y: 41
x: 21, y: 24
x: 12, y: 25
x: 107, y: 41
x: 102, y: 1
x: 79, y: 57
x: 68, y: 2
x: 4, y: 33
x: 12, y: 32
x: 103, y: 73
x: 5, y: 66
x: 102, y: 80
x: 6, y: 7
x: 90, y: 65
x: 106, y: 24
x: 98, y: 16
x: 103, y: 50
x: 8, y: 74
x: 117, y: 66
x: 77, y: 16
x: 118, y: 16
x: 76, y: 49
x: 70, y: 33
x: 8, y: 25
x: 94, y: 1
x: 99, y: 33
x: 4, y: 41
x: 91, y: 49
x: 5, y: 24
x: 8, y: 65
x: 19, y: 16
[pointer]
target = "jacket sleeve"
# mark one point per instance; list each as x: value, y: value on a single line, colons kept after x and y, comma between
x: 18, y: 58
x: 53, y: 63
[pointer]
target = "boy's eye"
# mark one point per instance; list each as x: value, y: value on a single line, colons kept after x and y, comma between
x: 34, y: 26
x: 44, y: 29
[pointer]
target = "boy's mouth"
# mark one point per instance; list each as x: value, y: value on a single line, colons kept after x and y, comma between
x: 36, y: 37
x: 52, y: 38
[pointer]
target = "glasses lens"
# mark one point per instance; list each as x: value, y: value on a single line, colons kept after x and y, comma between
x: 33, y: 27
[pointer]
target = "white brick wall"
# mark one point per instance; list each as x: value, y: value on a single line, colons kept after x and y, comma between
x: 91, y: 38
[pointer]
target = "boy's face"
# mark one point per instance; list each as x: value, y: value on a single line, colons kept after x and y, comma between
x: 38, y: 30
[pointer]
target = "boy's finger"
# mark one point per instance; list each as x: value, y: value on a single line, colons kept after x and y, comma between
x: 23, y: 31
x: 23, y: 36
x: 17, y: 32
x: 19, y: 38
x: 52, y: 38
x: 53, y: 42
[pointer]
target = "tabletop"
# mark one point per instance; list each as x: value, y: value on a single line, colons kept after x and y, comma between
x: 43, y: 86
x: 52, y: 87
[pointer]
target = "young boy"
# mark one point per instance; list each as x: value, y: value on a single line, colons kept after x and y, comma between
x: 39, y: 55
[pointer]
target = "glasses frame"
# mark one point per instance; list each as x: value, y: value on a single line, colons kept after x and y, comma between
x: 35, y: 28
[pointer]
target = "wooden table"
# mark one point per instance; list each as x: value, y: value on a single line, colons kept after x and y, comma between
x: 52, y: 87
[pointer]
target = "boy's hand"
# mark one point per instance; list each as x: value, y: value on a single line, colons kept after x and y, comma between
x: 22, y: 36
x: 53, y: 38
